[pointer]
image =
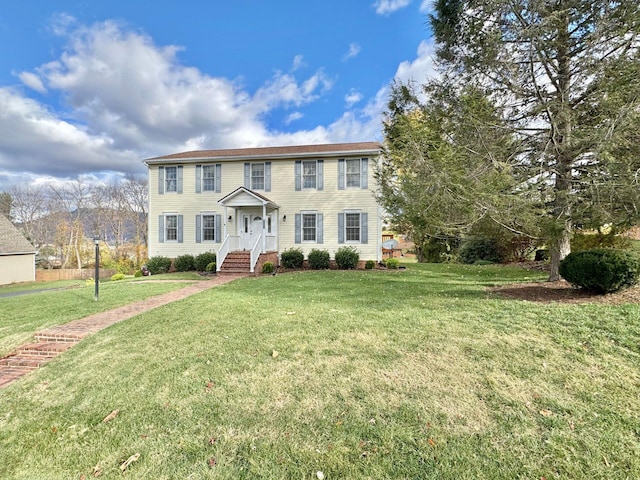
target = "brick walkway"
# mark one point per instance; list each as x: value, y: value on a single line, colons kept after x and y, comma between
x: 53, y: 341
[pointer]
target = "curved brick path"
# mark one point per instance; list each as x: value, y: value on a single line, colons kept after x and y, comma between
x: 55, y: 340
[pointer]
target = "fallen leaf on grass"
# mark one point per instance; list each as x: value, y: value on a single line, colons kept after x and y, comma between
x: 291, y: 313
x: 431, y: 443
x: 129, y: 461
x: 111, y: 416
x: 275, y: 353
x: 546, y: 413
x: 212, y: 441
x: 97, y: 471
x: 209, y: 386
x: 212, y: 462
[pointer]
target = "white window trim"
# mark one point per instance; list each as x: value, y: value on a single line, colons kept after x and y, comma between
x: 353, y: 212
x: 207, y: 214
x: 302, y: 175
x: 302, y: 214
x: 166, y: 237
x: 166, y: 179
x: 346, y: 173
x: 264, y: 175
x: 202, y: 179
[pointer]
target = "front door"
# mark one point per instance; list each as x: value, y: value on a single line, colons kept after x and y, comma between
x: 250, y: 230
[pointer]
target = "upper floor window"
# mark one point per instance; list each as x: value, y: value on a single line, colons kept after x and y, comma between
x: 309, y: 174
x: 353, y: 173
x: 170, y: 179
x: 208, y: 178
x: 257, y: 176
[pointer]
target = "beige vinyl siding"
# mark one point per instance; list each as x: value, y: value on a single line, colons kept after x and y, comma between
x: 329, y: 201
x: 17, y: 268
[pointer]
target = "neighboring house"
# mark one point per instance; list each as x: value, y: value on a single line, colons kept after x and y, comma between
x: 17, y: 255
x: 265, y: 201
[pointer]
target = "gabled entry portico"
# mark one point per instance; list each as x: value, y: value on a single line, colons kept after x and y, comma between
x: 250, y: 224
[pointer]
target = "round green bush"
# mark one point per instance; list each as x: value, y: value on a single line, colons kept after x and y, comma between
x: 392, y: 263
x: 347, y: 258
x: 292, y: 258
x: 204, y: 259
x: 319, y: 259
x: 158, y: 265
x: 185, y: 263
x: 211, y: 267
x: 601, y: 270
x: 479, y: 248
x: 370, y: 265
x: 117, y: 276
x: 268, y: 267
x: 137, y: 274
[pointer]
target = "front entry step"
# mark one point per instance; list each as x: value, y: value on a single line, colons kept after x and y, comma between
x: 238, y: 261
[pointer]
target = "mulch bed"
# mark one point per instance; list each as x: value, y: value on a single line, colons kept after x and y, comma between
x: 564, y: 292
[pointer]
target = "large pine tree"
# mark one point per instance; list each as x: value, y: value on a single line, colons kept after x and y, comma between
x: 565, y: 77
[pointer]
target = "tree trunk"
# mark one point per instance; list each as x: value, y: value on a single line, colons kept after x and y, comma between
x: 560, y: 247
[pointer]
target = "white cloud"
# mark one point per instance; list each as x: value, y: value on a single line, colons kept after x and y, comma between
x: 32, y: 81
x: 352, y: 98
x: 420, y: 69
x: 354, y: 50
x: 298, y: 62
x: 426, y: 6
x: 292, y: 117
x: 386, y: 7
x: 127, y: 99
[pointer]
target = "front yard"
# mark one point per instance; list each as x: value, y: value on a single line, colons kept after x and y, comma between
x: 415, y: 374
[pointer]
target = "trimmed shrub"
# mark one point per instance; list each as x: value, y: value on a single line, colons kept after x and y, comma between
x: 117, y: 276
x: 211, y: 267
x: 201, y: 261
x: 185, y: 263
x: 369, y: 265
x: 319, y: 259
x: 137, y: 274
x: 478, y: 248
x: 158, y: 265
x: 392, y: 263
x: 292, y: 258
x: 347, y: 258
x: 601, y: 270
x: 268, y: 267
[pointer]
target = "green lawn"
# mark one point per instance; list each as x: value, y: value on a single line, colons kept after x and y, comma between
x: 359, y: 375
x: 22, y: 316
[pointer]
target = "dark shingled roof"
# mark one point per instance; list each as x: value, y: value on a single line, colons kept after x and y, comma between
x: 333, y: 149
x: 11, y: 239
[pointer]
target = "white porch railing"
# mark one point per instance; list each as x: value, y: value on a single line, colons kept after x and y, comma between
x: 223, y: 251
x: 256, y: 250
x: 230, y: 243
x: 272, y: 243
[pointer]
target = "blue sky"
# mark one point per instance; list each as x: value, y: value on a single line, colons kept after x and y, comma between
x: 90, y: 88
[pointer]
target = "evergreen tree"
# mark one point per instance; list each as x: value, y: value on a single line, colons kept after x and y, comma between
x: 565, y: 77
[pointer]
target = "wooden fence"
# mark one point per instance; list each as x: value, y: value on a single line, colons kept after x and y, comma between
x: 71, y: 274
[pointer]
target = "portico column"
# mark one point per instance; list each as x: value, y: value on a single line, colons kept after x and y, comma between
x: 264, y: 228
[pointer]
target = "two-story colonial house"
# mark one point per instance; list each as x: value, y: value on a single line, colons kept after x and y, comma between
x: 263, y: 201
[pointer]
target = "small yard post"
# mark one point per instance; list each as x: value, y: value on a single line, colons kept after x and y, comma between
x: 97, y: 277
